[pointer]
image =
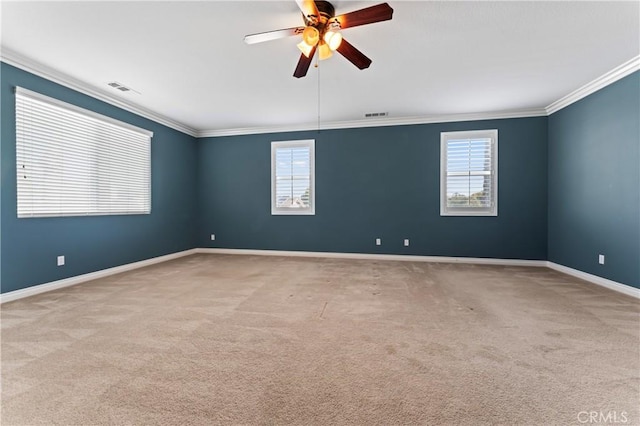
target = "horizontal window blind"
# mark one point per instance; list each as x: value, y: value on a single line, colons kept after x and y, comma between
x: 292, y: 177
x: 72, y: 161
x: 469, y: 173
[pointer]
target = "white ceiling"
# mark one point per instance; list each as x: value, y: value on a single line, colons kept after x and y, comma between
x: 190, y: 65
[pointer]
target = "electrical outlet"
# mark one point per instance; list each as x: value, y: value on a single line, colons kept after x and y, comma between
x: 60, y: 260
x: 601, y: 259
x: 378, y: 242
x: 213, y: 237
x: 406, y: 242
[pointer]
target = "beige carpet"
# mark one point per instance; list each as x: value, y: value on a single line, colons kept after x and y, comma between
x: 214, y: 339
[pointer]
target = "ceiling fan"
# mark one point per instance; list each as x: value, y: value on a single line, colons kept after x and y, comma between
x: 321, y: 32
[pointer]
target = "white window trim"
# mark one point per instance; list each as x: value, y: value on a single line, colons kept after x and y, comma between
x: 310, y: 143
x: 469, y: 211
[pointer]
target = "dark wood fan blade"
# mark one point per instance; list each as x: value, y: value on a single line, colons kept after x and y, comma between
x: 308, y: 8
x: 272, y: 35
x: 303, y: 63
x: 368, y: 15
x: 354, y: 56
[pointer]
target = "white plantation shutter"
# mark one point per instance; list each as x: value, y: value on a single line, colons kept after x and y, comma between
x: 72, y: 161
x: 469, y: 173
x: 292, y: 177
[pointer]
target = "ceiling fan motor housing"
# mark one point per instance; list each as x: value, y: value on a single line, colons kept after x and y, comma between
x: 326, y: 11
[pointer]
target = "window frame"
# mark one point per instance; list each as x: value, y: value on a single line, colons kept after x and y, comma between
x: 445, y: 137
x: 85, y: 162
x: 311, y: 210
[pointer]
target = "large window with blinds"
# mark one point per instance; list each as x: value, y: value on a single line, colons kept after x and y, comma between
x: 73, y: 162
x: 469, y: 173
x: 292, y: 177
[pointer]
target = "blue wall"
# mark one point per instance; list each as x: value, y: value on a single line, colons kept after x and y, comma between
x: 30, y: 246
x: 568, y: 191
x: 376, y: 182
x: 594, y: 183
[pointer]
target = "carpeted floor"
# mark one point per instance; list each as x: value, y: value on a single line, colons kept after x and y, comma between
x: 221, y: 339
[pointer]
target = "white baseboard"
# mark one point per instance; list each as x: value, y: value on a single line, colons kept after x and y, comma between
x: 373, y: 256
x: 54, y: 285
x: 611, y: 285
x: 42, y: 288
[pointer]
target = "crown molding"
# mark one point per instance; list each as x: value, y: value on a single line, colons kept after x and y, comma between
x: 380, y: 122
x: 604, y: 80
x: 17, y: 60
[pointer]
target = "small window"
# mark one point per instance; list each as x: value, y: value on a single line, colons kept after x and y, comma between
x: 292, y: 177
x: 469, y: 173
x: 72, y: 162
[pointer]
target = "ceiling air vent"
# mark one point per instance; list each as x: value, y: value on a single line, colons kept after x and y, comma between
x: 375, y: 114
x: 121, y: 87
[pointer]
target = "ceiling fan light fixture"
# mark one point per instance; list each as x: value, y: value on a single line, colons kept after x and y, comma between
x: 304, y: 48
x: 333, y: 39
x: 324, y: 52
x: 310, y: 37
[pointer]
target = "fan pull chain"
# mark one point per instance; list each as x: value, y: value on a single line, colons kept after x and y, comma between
x: 318, y: 94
